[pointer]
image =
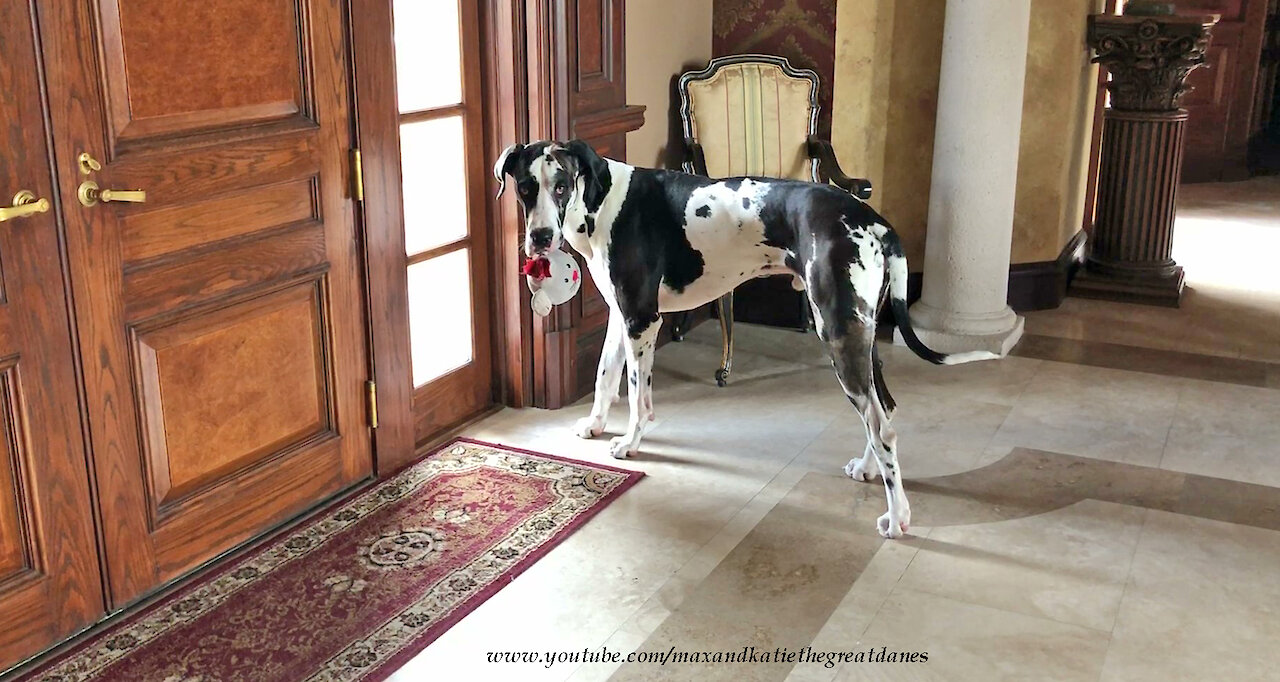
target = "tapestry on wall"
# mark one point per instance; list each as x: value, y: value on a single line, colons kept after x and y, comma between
x: 803, y: 31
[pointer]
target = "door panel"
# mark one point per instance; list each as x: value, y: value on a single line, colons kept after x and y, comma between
x: 206, y: 67
x: 49, y: 580
x: 1222, y: 100
x: 221, y: 321
x: 264, y: 357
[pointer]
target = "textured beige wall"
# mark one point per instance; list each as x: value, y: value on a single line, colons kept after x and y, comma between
x: 664, y: 39
x: 888, y: 54
x: 1057, y: 124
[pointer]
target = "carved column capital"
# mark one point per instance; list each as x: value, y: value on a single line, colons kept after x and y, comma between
x: 1149, y: 57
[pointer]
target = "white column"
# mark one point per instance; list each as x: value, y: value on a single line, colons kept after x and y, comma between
x: 975, y: 171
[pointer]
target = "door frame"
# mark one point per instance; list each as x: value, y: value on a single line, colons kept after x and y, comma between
x: 381, y: 225
x: 534, y: 91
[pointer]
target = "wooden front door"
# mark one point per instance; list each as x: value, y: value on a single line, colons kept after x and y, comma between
x: 221, y: 321
x: 49, y: 581
x: 1221, y: 101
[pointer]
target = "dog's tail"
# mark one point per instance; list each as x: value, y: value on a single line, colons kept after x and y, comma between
x: 897, y: 266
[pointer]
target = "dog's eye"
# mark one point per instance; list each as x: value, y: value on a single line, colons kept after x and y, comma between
x: 560, y: 188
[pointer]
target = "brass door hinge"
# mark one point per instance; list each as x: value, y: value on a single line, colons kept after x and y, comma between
x: 357, y: 176
x: 371, y: 398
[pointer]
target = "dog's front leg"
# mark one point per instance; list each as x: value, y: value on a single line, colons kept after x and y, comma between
x: 608, y: 376
x: 639, y: 379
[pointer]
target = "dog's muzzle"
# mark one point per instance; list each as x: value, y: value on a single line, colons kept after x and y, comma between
x: 541, y: 238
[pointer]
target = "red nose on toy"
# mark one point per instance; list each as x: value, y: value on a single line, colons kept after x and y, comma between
x: 537, y: 268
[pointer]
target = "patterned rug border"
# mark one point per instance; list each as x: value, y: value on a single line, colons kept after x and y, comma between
x: 407, y: 654
x: 222, y: 564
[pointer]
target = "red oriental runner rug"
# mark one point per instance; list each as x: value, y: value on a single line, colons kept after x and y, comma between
x: 355, y: 592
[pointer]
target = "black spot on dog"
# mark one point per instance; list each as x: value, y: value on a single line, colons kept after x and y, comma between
x: 746, y: 202
x: 733, y: 183
x: 584, y: 161
x: 632, y: 379
x: 649, y: 380
x: 888, y: 483
x: 703, y: 211
x: 591, y: 226
x: 582, y: 228
x: 648, y: 245
x: 892, y: 245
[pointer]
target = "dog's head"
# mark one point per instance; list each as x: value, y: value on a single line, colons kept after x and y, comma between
x: 551, y: 179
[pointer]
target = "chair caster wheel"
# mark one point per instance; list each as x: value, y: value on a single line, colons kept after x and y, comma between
x: 722, y: 378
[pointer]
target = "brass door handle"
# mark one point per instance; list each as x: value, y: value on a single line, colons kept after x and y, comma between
x: 91, y: 194
x: 25, y: 204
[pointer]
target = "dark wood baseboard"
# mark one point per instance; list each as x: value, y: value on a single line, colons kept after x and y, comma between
x: 1043, y: 285
x: 1032, y: 286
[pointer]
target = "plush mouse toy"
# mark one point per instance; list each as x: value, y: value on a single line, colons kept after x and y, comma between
x: 553, y: 279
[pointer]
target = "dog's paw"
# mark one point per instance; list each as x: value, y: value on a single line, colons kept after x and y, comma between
x: 620, y: 447
x: 588, y: 427
x: 891, y: 529
x: 856, y: 470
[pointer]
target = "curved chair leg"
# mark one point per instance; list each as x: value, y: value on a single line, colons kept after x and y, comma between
x: 726, y: 335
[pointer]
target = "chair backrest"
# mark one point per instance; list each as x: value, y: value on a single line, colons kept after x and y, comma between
x: 752, y: 115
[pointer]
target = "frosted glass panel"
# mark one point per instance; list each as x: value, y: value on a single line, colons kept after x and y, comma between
x: 435, y: 183
x: 428, y: 72
x: 440, y: 315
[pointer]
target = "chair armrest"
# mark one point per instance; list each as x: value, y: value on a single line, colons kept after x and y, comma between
x: 695, y: 162
x: 829, y: 169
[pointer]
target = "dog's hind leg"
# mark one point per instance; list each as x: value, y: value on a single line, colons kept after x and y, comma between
x: 851, y: 356
x: 882, y: 434
x: 608, y: 377
x: 845, y: 280
x: 862, y: 468
x: 639, y: 349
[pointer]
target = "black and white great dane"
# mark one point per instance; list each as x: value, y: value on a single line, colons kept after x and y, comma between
x: 659, y: 241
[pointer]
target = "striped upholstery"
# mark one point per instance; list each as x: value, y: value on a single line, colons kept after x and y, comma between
x: 752, y: 119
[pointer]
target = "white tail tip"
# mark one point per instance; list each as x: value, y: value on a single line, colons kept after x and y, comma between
x: 972, y: 356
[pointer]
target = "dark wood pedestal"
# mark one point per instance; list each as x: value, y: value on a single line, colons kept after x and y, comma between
x: 1130, y: 257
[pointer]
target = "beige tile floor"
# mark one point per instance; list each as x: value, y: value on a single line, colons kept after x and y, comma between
x: 1068, y: 521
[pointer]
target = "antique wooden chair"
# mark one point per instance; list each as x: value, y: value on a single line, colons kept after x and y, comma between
x: 756, y: 115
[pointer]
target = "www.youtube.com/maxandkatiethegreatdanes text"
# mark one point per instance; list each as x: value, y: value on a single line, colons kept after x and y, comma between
x: 747, y: 655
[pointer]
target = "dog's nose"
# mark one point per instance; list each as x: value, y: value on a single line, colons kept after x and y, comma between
x: 541, y: 237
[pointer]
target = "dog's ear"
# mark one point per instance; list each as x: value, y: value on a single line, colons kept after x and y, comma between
x: 594, y: 169
x: 502, y: 168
